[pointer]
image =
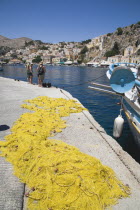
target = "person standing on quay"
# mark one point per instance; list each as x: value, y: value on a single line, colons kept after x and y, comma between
x: 29, y: 68
x: 41, y: 74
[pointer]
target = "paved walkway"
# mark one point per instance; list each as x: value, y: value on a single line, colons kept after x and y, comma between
x: 83, y: 132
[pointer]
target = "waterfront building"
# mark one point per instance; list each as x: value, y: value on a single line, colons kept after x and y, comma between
x: 114, y: 59
x: 46, y: 59
x: 135, y: 59
x: 125, y: 59
x: 56, y: 59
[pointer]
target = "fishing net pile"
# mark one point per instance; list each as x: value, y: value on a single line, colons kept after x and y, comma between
x: 58, y: 175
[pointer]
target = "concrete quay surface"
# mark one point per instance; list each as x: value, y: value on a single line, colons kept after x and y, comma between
x: 82, y: 131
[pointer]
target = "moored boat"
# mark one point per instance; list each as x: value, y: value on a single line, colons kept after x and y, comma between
x: 124, y: 79
x: 125, y: 82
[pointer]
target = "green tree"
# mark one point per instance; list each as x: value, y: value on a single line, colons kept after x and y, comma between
x: 24, y: 61
x: 62, y: 44
x: 79, y: 61
x: 119, y: 31
x: 137, y: 43
x: 6, y: 60
x: 29, y: 43
x: 109, y: 54
x: 86, y: 41
x: 44, y: 48
x: 138, y: 52
x: 81, y: 58
x: 14, y: 55
x: 116, y: 47
x: 84, y: 50
x: 113, y: 51
x: 39, y: 42
x: 97, y: 47
x: 37, y: 59
x: 109, y: 34
x: 4, y: 50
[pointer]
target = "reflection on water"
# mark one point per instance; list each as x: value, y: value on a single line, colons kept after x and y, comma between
x: 76, y: 80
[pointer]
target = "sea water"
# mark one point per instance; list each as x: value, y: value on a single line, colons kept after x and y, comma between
x: 76, y: 80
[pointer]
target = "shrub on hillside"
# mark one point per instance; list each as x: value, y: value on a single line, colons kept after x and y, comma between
x: 113, y: 51
x: 29, y: 43
x: 119, y: 31
x: 14, y: 55
x: 84, y: 50
x: 37, y: 59
x: 4, y: 50
x: 86, y: 41
x: 39, y: 42
x: 44, y: 48
x: 138, y: 52
x: 127, y: 32
x: 137, y: 43
x: 109, y: 34
x: 6, y: 60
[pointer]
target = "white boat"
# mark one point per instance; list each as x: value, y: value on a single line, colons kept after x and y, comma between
x: 104, y: 64
x: 127, y: 76
x: 68, y: 63
x: 93, y: 64
x: 125, y: 81
x: 96, y: 64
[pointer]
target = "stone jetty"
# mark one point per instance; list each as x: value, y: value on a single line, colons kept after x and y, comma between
x: 83, y: 132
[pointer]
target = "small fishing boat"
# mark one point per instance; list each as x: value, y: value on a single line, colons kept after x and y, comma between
x: 96, y: 64
x: 125, y: 82
x: 104, y: 64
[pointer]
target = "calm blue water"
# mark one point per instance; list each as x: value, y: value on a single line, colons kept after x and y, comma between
x: 76, y: 80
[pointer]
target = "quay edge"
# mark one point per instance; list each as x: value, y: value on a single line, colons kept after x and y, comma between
x: 82, y: 131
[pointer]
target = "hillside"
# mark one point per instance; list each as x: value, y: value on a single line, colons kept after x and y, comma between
x: 107, y: 45
x: 125, y: 37
x: 13, y: 43
x: 122, y: 38
x: 3, y: 38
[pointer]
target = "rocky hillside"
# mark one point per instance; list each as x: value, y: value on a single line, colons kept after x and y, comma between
x: 103, y: 46
x: 13, y: 43
x: 125, y: 37
x: 116, y: 42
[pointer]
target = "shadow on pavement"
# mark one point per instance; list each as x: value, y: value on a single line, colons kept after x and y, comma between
x: 4, y: 127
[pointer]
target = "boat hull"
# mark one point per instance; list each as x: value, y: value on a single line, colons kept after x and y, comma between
x: 132, y: 124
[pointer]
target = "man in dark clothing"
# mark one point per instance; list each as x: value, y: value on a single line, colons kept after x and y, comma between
x: 41, y: 74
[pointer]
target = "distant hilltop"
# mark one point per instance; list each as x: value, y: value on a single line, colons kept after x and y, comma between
x: 13, y: 43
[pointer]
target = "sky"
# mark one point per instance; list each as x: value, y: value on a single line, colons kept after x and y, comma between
x: 55, y: 21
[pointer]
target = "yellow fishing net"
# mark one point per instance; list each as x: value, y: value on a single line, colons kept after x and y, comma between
x: 59, y: 176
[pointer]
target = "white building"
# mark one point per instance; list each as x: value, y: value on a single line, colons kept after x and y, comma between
x: 114, y: 59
